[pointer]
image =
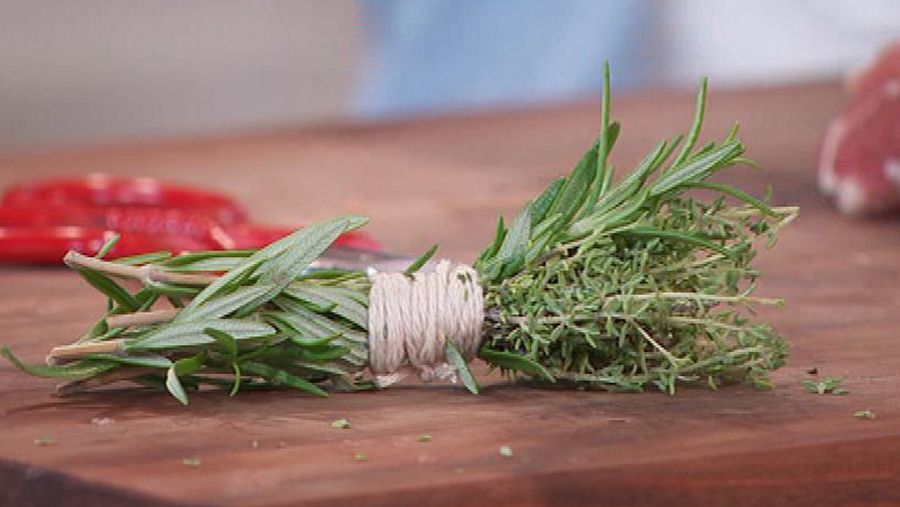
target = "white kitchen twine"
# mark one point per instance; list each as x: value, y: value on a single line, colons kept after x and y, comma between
x: 412, y: 316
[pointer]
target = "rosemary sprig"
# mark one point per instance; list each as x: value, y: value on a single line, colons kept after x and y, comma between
x: 265, y: 322
x: 594, y: 284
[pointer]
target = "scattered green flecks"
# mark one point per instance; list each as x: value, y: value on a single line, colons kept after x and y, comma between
x: 341, y: 424
x: 828, y: 385
x: 44, y: 441
x: 864, y: 414
x: 506, y: 451
x: 191, y: 462
x: 424, y: 437
x: 360, y: 457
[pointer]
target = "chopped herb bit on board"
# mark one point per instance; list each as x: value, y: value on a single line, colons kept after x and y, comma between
x: 828, y: 385
x: 341, y: 424
x: 864, y: 414
x: 44, y: 441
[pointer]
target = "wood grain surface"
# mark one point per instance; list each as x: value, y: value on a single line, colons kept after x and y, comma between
x: 445, y: 180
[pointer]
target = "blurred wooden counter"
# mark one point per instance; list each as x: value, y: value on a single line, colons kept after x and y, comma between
x: 445, y: 180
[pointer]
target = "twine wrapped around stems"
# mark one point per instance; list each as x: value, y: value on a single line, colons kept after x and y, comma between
x: 412, y: 316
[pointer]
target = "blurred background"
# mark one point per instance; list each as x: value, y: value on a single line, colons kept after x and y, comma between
x: 99, y: 71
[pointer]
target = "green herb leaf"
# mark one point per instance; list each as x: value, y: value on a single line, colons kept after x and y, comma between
x: 280, y: 262
x: 281, y: 377
x: 110, y: 289
x: 107, y: 245
x: 633, y: 182
x: 491, y: 251
x: 144, y: 360
x: 147, y: 258
x: 458, y: 361
x: 738, y: 194
x: 697, y: 168
x: 511, y: 257
x: 302, y: 248
x: 678, y: 236
x: 515, y: 362
x: 577, y: 187
x: 173, y: 385
x: 540, y: 207
x: 334, y: 298
x: 418, y: 263
x: 695, y: 126
x: 236, y: 386
x: 189, y: 365
x: 606, y: 139
x: 243, y: 297
x: 70, y: 371
x: 226, y: 341
x: 191, y: 334
x: 218, y: 260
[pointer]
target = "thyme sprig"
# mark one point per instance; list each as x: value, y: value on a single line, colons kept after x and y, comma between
x: 594, y: 284
x: 618, y: 286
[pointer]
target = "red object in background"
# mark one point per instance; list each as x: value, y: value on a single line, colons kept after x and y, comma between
x: 101, y: 190
x: 41, y: 221
x: 122, y: 219
x: 885, y: 68
x: 859, y: 163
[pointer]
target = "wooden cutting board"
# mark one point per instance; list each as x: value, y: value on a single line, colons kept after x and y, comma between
x: 445, y: 180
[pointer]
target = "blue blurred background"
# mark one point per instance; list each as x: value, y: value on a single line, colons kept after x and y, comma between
x: 98, y: 71
x: 444, y: 54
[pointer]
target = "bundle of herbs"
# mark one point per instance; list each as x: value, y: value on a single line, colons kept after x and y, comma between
x: 595, y: 284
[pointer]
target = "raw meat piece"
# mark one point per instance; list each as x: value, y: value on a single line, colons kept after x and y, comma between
x: 860, y: 159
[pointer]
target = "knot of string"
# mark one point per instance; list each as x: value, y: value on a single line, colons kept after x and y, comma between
x: 412, y: 316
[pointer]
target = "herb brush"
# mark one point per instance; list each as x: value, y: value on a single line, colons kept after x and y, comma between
x: 597, y: 283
